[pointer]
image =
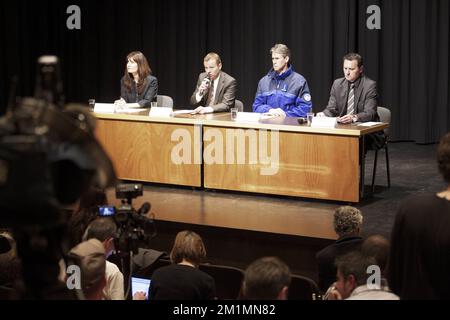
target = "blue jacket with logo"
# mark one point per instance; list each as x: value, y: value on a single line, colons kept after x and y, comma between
x: 288, y: 91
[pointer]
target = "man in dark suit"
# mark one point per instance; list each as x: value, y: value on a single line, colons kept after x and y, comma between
x: 354, y: 97
x: 216, y: 90
x: 347, y: 225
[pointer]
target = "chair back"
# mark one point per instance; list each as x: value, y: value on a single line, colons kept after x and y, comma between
x: 147, y: 272
x: 228, y: 280
x: 164, y: 101
x: 239, y: 105
x: 303, y: 288
x: 385, y: 116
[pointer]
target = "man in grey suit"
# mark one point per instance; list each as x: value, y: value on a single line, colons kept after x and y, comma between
x: 216, y: 90
x: 354, y: 97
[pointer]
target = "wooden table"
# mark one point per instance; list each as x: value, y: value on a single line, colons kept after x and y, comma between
x: 321, y: 163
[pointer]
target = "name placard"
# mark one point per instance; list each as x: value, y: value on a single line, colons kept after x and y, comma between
x: 324, y: 122
x: 161, y: 112
x: 104, y: 108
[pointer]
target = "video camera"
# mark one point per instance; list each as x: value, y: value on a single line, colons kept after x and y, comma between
x: 48, y: 157
x: 135, y: 229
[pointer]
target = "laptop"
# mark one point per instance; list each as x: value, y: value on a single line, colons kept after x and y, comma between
x: 140, y: 285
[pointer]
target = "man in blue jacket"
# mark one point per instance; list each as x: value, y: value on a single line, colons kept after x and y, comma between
x: 283, y: 91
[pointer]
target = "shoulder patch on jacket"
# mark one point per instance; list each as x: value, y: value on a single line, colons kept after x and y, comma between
x: 307, y: 97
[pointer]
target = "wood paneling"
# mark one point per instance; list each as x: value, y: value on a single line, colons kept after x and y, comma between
x: 310, y: 165
x: 142, y: 151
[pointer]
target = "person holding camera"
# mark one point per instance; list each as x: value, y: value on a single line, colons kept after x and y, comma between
x: 138, y: 88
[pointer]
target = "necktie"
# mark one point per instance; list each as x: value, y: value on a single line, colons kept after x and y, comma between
x: 351, y: 100
x: 210, y: 100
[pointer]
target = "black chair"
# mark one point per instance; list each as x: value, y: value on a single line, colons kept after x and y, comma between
x: 147, y: 272
x: 385, y: 116
x: 228, y: 280
x: 303, y: 288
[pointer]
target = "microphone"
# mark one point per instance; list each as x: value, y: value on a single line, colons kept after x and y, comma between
x: 207, y: 82
x: 145, y: 208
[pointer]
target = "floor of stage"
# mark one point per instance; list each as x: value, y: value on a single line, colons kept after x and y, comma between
x: 239, y: 227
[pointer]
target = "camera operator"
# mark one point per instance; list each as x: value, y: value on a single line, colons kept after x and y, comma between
x: 84, y: 212
x: 104, y: 230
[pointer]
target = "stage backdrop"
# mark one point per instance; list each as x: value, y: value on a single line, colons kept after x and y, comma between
x: 408, y: 56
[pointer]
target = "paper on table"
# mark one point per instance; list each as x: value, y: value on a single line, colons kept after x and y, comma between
x: 369, y: 124
x: 268, y: 116
x: 130, y: 110
x: 183, y: 112
x: 248, y: 117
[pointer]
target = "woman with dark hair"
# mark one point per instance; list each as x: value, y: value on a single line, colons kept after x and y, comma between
x: 419, y: 260
x: 138, y: 88
x: 182, y: 280
x: 85, y: 213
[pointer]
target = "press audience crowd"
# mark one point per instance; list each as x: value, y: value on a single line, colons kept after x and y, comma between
x: 413, y: 264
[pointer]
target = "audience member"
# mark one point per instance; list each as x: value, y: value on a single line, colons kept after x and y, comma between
x: 377, y: 246
x: 90, y: 257
x: 183, y: 280
x: 347, y: 225
x: 354, y: 282
x: 419, y: 261
x: 267, y: 278
x: 104, y: 229
x: 84, y: 213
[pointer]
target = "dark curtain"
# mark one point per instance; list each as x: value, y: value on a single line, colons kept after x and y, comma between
x: 409, y: 56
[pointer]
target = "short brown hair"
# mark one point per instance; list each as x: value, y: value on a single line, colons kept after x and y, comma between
x: 188, y: 246
x: 443, y: 157
x: 265, y: 278
x: 214, y: 56
x: 354, y: 56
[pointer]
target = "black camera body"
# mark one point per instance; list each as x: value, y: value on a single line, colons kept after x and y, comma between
x: 134, y: 228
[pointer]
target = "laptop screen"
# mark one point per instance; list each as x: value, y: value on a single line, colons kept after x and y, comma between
x: 140, y: 285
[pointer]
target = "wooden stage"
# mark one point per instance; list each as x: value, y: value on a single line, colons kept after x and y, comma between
x: 238, y: 228
x: 240, y: 213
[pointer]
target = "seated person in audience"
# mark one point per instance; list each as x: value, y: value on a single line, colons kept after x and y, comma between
x: 216, y: 90
x: 90, y: 257
x: 138, y: 88
x: 104, y: 229
x: 419, y: 260
x: 354, y: 97
x: 283, y: 91
x: 183, y: 280
x: 377, y: 246
x: 267, y: 278
x: 354, y: 282
x: 86, y: 211
x: 347, y: 225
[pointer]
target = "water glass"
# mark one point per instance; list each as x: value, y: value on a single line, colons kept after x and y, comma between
x: 234, y: 113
